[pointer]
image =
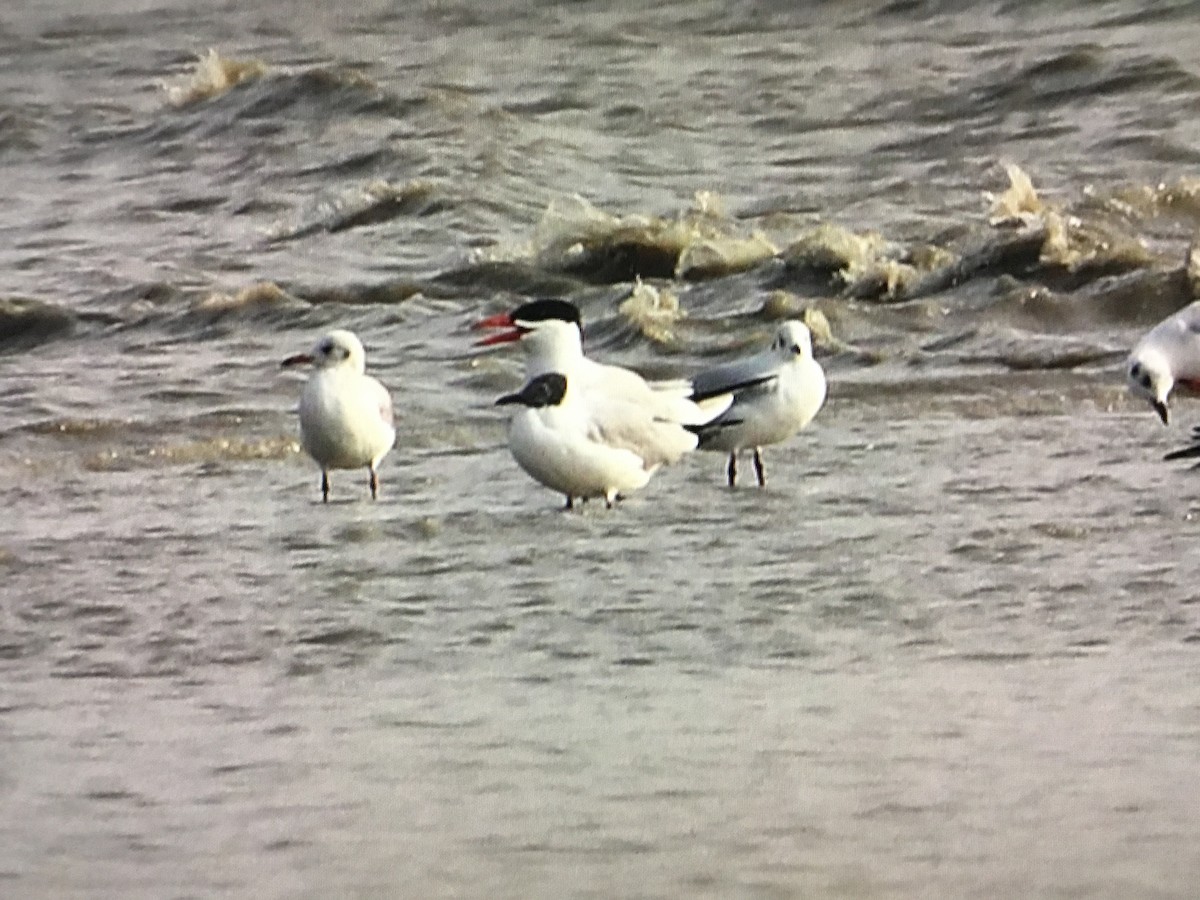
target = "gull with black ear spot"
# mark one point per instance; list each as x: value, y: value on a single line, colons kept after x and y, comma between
x: 1167, y: 359
x: 775, y: 394
x: 587, y: 446
x: 345, y: 415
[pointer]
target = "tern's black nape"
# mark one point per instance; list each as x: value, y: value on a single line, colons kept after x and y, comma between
x: 547, y: 309
x: 545, y: 390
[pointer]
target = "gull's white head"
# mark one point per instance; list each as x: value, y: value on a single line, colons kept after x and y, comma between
x: 1148, y: 374
x: 339, y: 348
x: 792, y: 341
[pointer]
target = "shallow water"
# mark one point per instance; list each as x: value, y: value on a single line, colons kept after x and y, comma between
x: 948, y: 651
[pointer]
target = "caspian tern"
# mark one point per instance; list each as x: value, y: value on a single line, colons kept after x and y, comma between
x: 598, y: 446
x: 1167, y: 357
x: 776, y: 393
x: 345, y: 414
x: 551, y: 334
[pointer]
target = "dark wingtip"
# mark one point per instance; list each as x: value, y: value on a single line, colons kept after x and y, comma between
x: 703, y: 391
x: 1183, y: 453
x: 708, y: 430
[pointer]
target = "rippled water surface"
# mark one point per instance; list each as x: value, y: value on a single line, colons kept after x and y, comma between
x: 949, y: 650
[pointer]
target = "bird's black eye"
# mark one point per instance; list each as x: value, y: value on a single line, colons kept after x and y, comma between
x: 1135, y: 370
x: 325, y: 348
x: 796, y: 349
x: 1145, y: 381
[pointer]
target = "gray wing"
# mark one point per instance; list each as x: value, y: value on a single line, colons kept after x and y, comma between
x: 735, y: 376
x: 1178, y: 338
x: 1190, y: 316
x: 1181, y: 325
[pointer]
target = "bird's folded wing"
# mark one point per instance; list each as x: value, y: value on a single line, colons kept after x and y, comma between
x: 757, y: 371
x: 620, y: 423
